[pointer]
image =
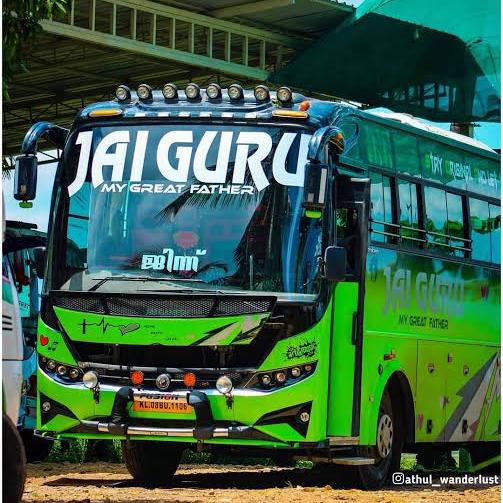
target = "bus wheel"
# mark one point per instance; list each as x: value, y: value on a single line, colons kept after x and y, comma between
x: 151, y: 463
x: 36, y: 448
x: 387, y: 452
x: 14, y: 463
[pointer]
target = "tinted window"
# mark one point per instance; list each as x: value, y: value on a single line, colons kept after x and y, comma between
x: 381, y: 208
x: 408, y: 214
x: 495, y: 221
x: 455, y: 227
x: 481, y: 236
x: 436, y: 218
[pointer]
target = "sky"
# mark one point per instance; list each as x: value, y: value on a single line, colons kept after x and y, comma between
x: 487, y: 133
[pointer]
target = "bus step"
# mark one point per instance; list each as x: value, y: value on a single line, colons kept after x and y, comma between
x: 344, y: 460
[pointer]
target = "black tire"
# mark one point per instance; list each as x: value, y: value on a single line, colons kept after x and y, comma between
x: 14, y: 463
x: 36, y: 448
x: 375, y: 476
x: 151, y: 463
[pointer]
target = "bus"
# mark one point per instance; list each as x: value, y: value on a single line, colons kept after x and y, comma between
x: 254, y: 270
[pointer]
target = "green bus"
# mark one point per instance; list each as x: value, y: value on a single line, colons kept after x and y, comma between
x: 233, y: 269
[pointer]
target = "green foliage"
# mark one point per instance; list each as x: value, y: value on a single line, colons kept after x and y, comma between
x: 20, y: 25
x: 465, y: 462
x: 408, y: 462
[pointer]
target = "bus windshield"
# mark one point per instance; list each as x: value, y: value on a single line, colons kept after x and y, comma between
x: 157, y: 208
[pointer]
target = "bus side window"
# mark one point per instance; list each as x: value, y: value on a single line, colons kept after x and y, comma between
x: 455, y: 226
x: 347, y: 236
x: 495, y: 224
x: 408, y: 211
x: 381, y: 210
x: 480, y: 226
x: 436, y: 219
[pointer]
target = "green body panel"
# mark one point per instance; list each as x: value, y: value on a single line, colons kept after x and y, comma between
x: 440, y: 320
x: 342, y: 355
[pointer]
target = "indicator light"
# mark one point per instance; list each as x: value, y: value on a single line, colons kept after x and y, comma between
x: 304, y: 105
x: 105, y: 112
x: 137, y: 377
x: 144, y: 92
x: 189, y: 379
x: 170, y: 91
x: 235, y: 92
x: 90, y: 379
x: 294, y: 114
x: 224, y: 385
x: 123, y: 93
x: 214, y: 91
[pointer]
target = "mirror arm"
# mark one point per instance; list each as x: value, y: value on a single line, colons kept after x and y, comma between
x: 318, y: 141
x: 55, y: 134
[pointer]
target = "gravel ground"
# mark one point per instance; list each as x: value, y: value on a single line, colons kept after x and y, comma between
x: 107, y: 482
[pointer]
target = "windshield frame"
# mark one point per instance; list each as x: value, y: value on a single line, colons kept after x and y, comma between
x: 57, y: 242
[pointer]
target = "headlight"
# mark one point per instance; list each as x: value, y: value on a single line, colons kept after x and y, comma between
x: 224, y: 385
x: 280, y: 377
x: 284, y: 94
x: 214, y: 91
x: 192, y: 91
x: 261, y: 93
x: 90, y: 379
x: 169, y: 91
x: 122, y: 93
x: 74, y: 373
x: 62, y: 370
x: 51, y: 365
x: 163, y: 381
x: 144, y: 92
x: 295, y: 371
x: 235, y: 92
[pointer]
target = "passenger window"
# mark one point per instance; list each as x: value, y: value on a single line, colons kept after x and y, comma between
x: 410, y: 236
x: 455, y: 227
x: 436, y: 219
x: 495, y: 223
x: 381, y: 212
x: 480, y: 230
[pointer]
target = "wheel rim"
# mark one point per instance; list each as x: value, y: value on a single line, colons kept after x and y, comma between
x: 384, y: 435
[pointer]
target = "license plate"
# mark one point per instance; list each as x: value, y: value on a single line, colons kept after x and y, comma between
x: 166, y: 403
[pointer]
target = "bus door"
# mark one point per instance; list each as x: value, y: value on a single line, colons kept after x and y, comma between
x: 351, y: 232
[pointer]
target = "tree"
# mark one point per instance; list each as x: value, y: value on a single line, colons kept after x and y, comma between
x: 20, y: 26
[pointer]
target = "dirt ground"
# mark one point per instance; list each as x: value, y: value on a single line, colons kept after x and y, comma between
x: 107, y: 482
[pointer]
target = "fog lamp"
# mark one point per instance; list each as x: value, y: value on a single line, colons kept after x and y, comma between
x: 144, y: 92
x: 214, y: 91
x: 122, y: 93
x: 284, y: 94
x: 224, y: 385
x: 90, y: 379
x: 163, y: 381
x: 235, y: 92
x: 170, y: 91
x: 192, y: 91
x: 304, y: 417
x: 261, y: 93
x: 46, y: 406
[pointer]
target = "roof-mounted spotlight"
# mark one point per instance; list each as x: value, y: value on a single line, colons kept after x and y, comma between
x: 214, y: 91
x: 261, y: 93
x: 144, y: 92
x: 123, y: 93
x: 192, y: 91
x: 170, y: 91
x: 235, y: 92
x: 284, y: 95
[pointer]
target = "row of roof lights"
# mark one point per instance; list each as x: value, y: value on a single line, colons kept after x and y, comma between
x: 193, y: 92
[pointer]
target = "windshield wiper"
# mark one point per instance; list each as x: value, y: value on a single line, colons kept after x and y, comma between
x: 102, y: 281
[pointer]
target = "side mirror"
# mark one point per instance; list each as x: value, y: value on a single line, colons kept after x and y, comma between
x: 39, y: 256
x: 335, y: 263
x: 25, y: 178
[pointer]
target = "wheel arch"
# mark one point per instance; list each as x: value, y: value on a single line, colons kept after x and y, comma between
x: 401, y: 394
